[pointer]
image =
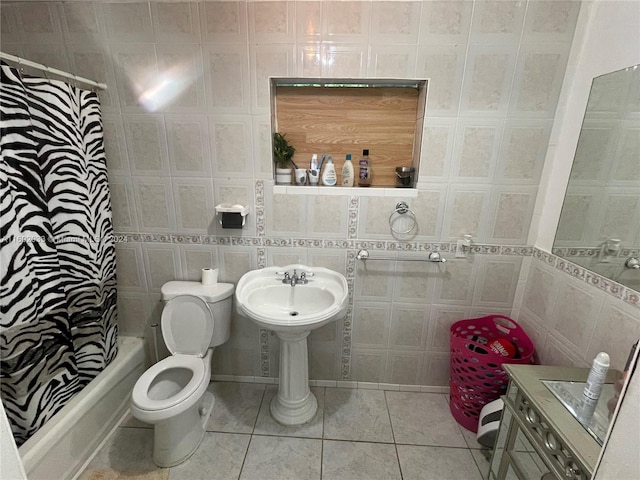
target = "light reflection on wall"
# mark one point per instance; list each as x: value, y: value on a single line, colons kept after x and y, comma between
x: 160, y: 90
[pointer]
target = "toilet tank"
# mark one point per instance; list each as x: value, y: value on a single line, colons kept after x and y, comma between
x: 218, y: 296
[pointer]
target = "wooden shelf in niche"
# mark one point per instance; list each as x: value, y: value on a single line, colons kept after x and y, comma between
x: 338, y: 116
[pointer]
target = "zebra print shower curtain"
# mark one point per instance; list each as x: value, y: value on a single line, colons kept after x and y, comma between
x: 58, y: 299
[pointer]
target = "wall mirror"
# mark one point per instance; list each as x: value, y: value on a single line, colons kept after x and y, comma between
x: 599, y: 225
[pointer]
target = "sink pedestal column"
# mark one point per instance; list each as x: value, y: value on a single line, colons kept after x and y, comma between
x: 294, y: 404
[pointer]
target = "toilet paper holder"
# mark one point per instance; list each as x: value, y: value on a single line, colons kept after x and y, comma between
x: 232, y: 216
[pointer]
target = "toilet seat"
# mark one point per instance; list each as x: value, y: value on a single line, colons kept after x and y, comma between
x: 187, y: 325
x: 196, y: 365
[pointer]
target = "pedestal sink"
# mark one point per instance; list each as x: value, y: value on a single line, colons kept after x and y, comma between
x: 292, y: 301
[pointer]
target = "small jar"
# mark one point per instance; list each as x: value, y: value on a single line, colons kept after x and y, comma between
x: 405, y: 177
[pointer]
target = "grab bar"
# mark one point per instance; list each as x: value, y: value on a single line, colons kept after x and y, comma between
x: 433, y: 257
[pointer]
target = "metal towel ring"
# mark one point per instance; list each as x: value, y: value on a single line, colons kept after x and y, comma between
x: 402, y: 209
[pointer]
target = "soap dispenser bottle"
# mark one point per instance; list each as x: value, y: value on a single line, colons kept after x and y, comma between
x: 364, y: 175
x: 347, y: 172
x: 329, y: 177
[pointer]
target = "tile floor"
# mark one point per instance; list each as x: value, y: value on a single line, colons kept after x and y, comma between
x: 356, y: 434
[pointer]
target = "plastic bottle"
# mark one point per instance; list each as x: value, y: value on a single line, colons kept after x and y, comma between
x: 597, y: 376
x: 314, y: 173
x: 329, y: 177
x: 364, y: 175
x: 347, y: 172
x: 593, y: 388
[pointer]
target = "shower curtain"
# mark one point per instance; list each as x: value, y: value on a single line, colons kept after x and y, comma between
x: 58, y: 325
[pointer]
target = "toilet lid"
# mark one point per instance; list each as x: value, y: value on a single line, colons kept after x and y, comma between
x: 187, y: 325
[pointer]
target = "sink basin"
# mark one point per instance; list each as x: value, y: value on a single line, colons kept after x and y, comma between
x: 292, y: 311
x: 262, y: 297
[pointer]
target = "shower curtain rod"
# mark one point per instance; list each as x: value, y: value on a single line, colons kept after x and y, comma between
x: 22, y: 62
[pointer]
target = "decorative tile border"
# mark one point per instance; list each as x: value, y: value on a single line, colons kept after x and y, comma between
x: 352, y: 245
x: 611, y: 287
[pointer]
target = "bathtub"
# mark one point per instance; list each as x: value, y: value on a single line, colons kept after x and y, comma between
x: 61, y: 447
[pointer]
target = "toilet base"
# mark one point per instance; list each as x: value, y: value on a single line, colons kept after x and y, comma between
x: 177, y: 438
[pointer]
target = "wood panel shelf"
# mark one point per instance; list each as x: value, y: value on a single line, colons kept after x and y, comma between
x: 338, y: 117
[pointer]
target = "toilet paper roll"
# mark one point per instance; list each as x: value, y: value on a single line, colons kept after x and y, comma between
x: 209, y: 276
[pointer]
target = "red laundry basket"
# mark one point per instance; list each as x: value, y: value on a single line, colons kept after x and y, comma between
x: 476, y: 374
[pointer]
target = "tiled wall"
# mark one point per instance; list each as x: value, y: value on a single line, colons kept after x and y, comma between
x: 496, y: 70
x: 572, y: 313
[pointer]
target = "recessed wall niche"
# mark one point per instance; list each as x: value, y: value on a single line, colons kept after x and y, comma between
x: 341, y: 116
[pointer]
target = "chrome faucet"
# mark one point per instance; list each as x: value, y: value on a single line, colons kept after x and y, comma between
x: 294, y: 279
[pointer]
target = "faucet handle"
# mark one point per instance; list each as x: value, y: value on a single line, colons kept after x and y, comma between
x: 286, y: 274
x: 304, y: 275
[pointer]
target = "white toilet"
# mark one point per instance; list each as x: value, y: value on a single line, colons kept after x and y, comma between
x: 172, y: 395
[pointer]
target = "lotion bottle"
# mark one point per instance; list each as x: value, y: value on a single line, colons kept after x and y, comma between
x: 347, y: 172
x: 329, y: 177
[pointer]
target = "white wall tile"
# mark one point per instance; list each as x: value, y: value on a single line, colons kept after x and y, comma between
x: 475, y: 150
x: 327, y: 216
x: 538, y: 79
x: 286, y: 256
x: 227, y: 77
x: 125, y: 218
x: 162, y: 264
x: 223, y: 21
x: 194, y: 258
x: 454, y: 284
x: 551, y: 21
x: 466, y: 212
x: 344, y: 60
x: 147, y: 144
x: 39, y: 22
x: 128, y: 22
x: 443, y: 65
x: 512, y: 210
x: 231, y: 145
x: 262, y: 159
x: 271, y: 21
x: 130, y: 267
x: 368, y: 365
x: 409, y: 327
x: 445, y: 22
x: 522, y: 151
x: 346, y: 21
x: 308, y: 21
x: 371, y: 325
x: 9, y: 27
x: 181, y: 70
x: 374, y: 280
x: 188, y: 145
x: 487, y: 79
x: 397, y: 61
x: 154, y: 202
x: 193, y: 199
x: 288, y: 215
x: 404, y: 367
x: 497, y: 21
x: 115, y: 145
x: 414, y: 281
x: 396, y: 22
x: 235, y: 262
x: 575, y: 313
x: 265, y: 61
x: 497, y: 281
x: 82, y: 22
x: 133, y: 313
x: 437, y: 149
x: 136, y: 69
x: 176, y: 22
